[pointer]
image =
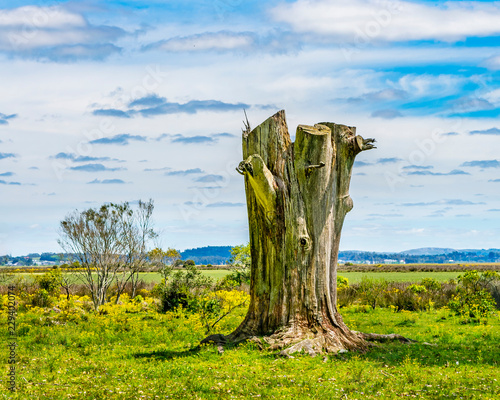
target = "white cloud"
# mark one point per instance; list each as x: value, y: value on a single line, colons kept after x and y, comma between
x: 40, y: 17
x: 308, y: 83
x: 387, y: 114
x: 492, y: 63
x: 25, y: 30
x: 394, y: 21
x: 412, y: 231
x: 206, y: 41
x: 386, y: 95
x: 422, y: 85
x: 493, y: 96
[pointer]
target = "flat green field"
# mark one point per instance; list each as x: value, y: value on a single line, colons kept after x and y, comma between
x: 155, y: 276
x: 146, y: 276
x: 415, y: 276
x: 129, y: 353
x: 353, y: 277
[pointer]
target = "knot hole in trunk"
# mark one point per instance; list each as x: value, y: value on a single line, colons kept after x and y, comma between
x: 305, y: 242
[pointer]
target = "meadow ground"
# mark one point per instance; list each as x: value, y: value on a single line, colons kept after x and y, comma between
x: 130, y: 351
x: 353, y: 277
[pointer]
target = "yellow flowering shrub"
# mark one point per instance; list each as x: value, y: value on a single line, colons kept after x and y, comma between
x: 216, y: 305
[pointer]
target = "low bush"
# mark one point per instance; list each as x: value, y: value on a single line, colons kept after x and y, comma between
x: 41, y: 298
x: 473, y: 296
x: 342, y: 282
x: 182, y: 288
x: 235, y: 279
x: 50, y: 280
x: 128, y: 288
x: 408, y: 297
x: 473, y: 300
x: 371, y: 290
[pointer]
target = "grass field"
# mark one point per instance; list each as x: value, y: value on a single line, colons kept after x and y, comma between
x: 136, y: 353
x: 414, y: 276
x: 215, y: 274
x: 353, y: 277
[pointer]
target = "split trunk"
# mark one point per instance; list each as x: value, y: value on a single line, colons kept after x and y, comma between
x: 297, y: 197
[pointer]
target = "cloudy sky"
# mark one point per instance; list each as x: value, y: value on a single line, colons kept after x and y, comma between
x: 121, y: 100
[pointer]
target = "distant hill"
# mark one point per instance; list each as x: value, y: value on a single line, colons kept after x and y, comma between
x: 428, y: 251
x: 218, y: 255
x: 431, y: 251
x: 422, y: 255
x: 215, y: 255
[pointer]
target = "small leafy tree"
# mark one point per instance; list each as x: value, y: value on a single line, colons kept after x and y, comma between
x: 194, y: 292
x: 183, y: 288
x: 67, y: 283
x: 110, y: 243
x: 163, y: 261
x: 46, y: 286
x: 218, y: 304
x: 346, y: 294
x: 240, y: 263
x: 137, y: 232
x: 240, y: 257
x: 49, y: 281
x: 342, y: 282
x: 473, y: 300
x: 371, y: 290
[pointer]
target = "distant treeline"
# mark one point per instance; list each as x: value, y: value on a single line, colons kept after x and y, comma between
x: 215, y: 255
x: 32, y: 258
x: 424, y: 267
x: 219, y: 255
x: 455, y: 256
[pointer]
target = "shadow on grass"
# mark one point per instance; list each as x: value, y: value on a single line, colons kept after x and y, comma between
x: 194, y: 351
x: 393, y: 354
x: 206, y: 349
x: 168, y: 354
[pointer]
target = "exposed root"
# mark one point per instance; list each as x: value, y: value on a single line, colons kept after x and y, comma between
x: 217, y: 340
x: 294, y: 340
x: 308, y: 346
x: 291, y: 341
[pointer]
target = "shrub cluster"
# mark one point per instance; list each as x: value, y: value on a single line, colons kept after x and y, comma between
x: 182, y: 288
x: 196, y: 293
x: 179, y: 293
x: 473, y: 296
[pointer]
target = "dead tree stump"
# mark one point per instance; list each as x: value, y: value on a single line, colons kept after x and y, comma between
x: 297, y: 197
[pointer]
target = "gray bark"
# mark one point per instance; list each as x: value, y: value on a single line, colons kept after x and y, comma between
x: 297, y: 198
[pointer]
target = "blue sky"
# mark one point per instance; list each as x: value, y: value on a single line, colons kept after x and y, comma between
x: 127, y: 100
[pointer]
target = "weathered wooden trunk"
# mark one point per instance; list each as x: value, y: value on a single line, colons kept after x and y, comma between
x: 297, y: 197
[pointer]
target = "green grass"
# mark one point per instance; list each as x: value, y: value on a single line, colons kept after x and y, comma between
x: 353, y: 277
x: 129, y: 354
x: 156, y: 277
x: 146, y: 276
x: 413, y: 276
